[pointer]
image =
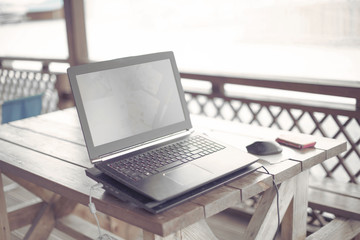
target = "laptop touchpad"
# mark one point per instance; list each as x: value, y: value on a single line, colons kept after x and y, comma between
x: 188, y: 174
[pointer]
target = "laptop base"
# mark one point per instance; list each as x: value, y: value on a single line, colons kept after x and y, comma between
x: 126, y: 194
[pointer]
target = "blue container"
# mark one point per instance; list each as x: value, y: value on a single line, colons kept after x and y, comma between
x: 21, y: 108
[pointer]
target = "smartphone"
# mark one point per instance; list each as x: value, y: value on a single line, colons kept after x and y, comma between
x: 295, y: 141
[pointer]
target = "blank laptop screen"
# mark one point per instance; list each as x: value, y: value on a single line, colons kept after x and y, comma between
x: 127, y: 101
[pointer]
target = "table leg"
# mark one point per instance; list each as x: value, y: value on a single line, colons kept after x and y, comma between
x: 43, y: 224
x: 294, y: 222
x: 264, y: 222
x: 42, y: 216
x: 4, y: 222
x: 196, y: 231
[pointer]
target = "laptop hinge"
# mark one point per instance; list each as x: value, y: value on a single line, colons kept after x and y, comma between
x: 143, y: 145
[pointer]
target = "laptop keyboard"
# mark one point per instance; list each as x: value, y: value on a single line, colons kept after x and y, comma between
x: 158, y: 160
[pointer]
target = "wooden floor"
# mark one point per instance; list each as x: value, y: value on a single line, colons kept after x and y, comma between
x: 227, y: 225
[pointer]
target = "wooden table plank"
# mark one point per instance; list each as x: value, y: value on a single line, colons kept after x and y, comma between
x: 58, y: 148
x: 51, y: 128
x: 64, y: 117
x: 72, y: 183
x: 213, y: 125
x: 332, y: 147
x: 44, y: 170
x: 281, y: 171
x: 230, y: 131
x: 243, y: 133
x: 252, y: 184
x: 218, y: 200
x: 308, y: 157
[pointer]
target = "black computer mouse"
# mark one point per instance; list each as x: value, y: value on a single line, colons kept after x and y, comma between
x: 264, y: 148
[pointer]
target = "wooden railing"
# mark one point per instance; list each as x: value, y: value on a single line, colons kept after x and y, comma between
x: 5, y: 62
x: 13, y: 78
x: 347, y: 89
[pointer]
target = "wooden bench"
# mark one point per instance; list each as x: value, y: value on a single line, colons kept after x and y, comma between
x: 340, y: 199
x: 331, y: 196
x: 339, y: 228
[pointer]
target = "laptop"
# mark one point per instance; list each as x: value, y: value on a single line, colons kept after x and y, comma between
x: 126, y: 194
x: 138, y: 131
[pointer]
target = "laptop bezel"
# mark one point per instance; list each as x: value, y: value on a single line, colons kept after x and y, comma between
x: 96, y: 152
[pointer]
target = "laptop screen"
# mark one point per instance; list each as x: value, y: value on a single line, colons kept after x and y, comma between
x: 126, y: 102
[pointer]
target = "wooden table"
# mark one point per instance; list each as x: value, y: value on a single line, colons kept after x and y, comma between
x: 47, y: 155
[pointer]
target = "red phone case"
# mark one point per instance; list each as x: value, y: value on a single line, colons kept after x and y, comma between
x: 296, y: 141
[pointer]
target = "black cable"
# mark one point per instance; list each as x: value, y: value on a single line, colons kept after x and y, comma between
x: 277, y: 201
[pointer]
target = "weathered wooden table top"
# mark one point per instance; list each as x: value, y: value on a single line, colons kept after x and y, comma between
x: 49, y: 151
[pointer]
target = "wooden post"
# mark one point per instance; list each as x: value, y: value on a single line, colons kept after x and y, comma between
x: 197, y: 231
x: 294, y: 222
x: 43, y: 223
x: 263, y: 224
x: 76, y: 31
x: 4, y: 222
